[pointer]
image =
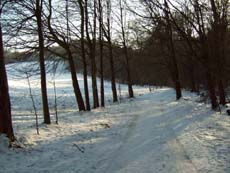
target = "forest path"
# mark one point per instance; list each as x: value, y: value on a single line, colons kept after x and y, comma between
x: 150, y: 144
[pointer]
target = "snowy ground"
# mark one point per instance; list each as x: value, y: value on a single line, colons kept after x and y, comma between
x: 149, y: 134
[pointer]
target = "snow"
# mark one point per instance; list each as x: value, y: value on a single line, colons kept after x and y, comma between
x: 3, y: 144
x: 152, y: 133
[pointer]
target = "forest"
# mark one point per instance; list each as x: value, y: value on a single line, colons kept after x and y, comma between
x: 107, y: 76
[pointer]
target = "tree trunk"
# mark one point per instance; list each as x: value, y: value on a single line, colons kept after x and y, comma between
x: 209, y: 76
x: 178, y: 90
x: 175, y: 70
x: 66, y: 46
x: 102, y: 74
x: 42, y: 62
x: 85, y: 71
x: 211, y: 88
x: 5, y: 107
x: 173, y: 65
x: 94, y: 65
x: 76, y: 87
x: 101, y: 54
x: 219, y: 29
x: 92, y: 49
x: 129, y: 81
x: 113, y: 82
x: 111, y: 61
x: 221, y: 92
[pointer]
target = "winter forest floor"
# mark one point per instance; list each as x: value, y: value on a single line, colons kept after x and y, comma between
x: 152, y: 133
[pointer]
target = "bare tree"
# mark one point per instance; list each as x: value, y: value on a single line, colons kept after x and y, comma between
x: 85, y: 71
x: 173, y: 67
x: 218, y: 34
x: 38, y: 14
x: 32, y: 100
x: 129, y: 80
x: 107, y: 33
x: 5, y: 107
x: 92, y: 51
x: 163, y: 21
x: 101, y: 44
x: 26, y: 27
x: 64, y: 43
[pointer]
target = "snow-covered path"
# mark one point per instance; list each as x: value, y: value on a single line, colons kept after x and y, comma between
x: 150, y: 144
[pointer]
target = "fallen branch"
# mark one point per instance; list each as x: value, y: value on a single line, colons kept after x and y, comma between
x: 81, y: 149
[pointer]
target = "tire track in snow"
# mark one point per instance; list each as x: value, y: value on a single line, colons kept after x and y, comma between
x: 112, y: 160
x: 125, y: 158
x: 185, y: 164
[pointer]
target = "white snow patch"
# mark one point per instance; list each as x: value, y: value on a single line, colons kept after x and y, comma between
x: 4, y: 144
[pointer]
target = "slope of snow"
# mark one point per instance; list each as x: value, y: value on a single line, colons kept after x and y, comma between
x: 152, y: 133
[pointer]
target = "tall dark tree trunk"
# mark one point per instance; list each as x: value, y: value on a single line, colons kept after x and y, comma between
x: 221, y: 92
x: 220, y: 66
x: 5, y: 107
x: 92, y: 54
x: 113, y: 81
x: 219, y: 30
x: 76, y: 87
x: 222, y: 61
x: 173, y: 64
x: 111, y: 59
x: 129, y: 80
x: 178, y: 89
x: 42, y: 62
x: 94, y: 65
x: 209, y: 73
x: 85, y: 71
x: 73, y: 70
x: 203, y: 41
x: 101, y: 53
x: 102, y: 73
x: 211, y: 88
